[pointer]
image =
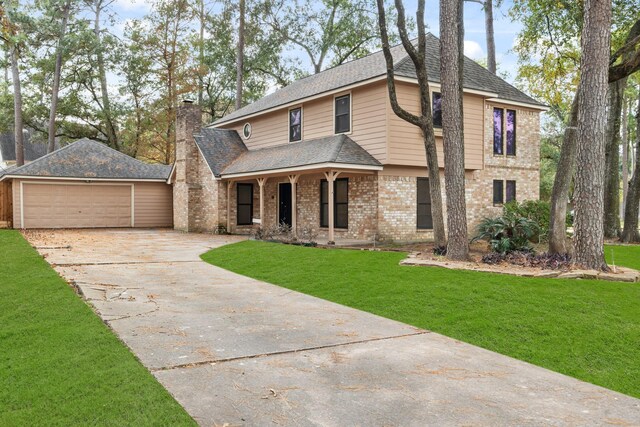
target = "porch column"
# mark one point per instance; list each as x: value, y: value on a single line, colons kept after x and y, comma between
x: 229, y: 188
x: 261, y: 183
x: 331, y: 177
x: 293, y: 179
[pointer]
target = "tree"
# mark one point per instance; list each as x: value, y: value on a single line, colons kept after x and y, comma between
x: 611, y: 219
x: 328, y: 30
x: 592, y: 94
x: 64, y: 12
x: 487, y: 5
x: 630, y: 232
x: 240, y: 58
x: 451, y: 73
x: 424, y: 121
x: 11, y: 37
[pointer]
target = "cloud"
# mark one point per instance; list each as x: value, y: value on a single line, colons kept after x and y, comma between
x: 473, y: 50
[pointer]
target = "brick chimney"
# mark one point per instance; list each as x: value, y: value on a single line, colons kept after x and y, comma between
x: 188, y: 122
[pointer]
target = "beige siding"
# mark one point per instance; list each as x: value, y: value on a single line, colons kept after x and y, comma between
x: 55, y: 204
x: 368, y: 121
x: 406, y: 146
x: 153, y: 204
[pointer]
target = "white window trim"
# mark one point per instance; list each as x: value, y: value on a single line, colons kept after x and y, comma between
x: 333, y: 117
x: 295, y: 107
x: 250, y: 131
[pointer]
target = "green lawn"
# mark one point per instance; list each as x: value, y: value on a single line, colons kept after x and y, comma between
x: 59, y: 364
x: 626, y: 256
x: 587, y: 329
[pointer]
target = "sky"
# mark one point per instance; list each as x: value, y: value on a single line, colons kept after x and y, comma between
x: 475, y: 43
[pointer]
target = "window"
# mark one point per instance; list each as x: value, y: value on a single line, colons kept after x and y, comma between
x: 437, y: 109
x: 245, y: 204
x: 498, y: 115
x: 295, y: 124
x: 340, y: 203
x: 343, y: 114
x: 425, y: 221
x: 246, y: 130
x: 511, y: 132
x: 498, y: 195
x: 511, y: 191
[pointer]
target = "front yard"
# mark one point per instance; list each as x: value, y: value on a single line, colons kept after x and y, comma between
x: 59, y: 364
x: 586, y: 329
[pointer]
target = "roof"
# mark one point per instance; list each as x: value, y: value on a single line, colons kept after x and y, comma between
x: 372, y: 66
x: 219, y: 147
x: 90, y: 159
x: 331, y: 149
x: 32, y: 150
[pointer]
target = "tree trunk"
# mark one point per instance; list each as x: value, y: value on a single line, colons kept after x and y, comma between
x: 240, y: 57
x: 451, y: 35
x: 625, y: 155
x: 56, y: 78
x: 491, y: 44
x: 17, y: 106
x: 111, y: 127
x: 592, y: 120
x: 630, y: 232
x: 561, y: 184
x: 201, y: 53
x: 612, y: 161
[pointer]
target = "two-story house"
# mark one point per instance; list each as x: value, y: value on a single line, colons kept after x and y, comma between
x: 328, y: 153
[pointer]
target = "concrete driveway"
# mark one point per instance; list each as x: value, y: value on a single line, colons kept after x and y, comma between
x: 237, y: 351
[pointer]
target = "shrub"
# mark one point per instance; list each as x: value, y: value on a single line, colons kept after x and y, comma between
x: 283, y: 233
x: 527, y: 259
x: 536, y: 210
x: 508, y: 233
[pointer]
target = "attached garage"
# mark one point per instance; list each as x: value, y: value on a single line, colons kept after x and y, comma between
x: 109, y: 189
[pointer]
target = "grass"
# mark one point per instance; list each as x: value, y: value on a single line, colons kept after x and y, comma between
x: 586, y: 329
x: 59, y: 364
x: 623, y: 255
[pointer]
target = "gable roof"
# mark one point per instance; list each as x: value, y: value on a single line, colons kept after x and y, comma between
x: 372, y: 66
x: 219, y: 147
x: 331, y: 149
x: 88, y: 159
x: 32, y: 150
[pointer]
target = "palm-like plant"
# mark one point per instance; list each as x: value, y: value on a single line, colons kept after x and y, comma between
x: 507, y: 233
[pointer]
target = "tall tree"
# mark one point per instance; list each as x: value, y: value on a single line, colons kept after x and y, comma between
x: 625, y: 153
x: 611, y: 216
x: 487, y: 5
x: 451, y: 72
x: 424, y: 121
x: 57, y: 72
x: 326, y: 31
x: 592, y: 98
x: 240, y: 58
x: 630, y: 233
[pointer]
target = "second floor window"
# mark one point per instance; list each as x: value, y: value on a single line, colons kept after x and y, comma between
x: 499, y: 134
x: 295, y: 124
x: 436, y: 102
x: 343, y: 114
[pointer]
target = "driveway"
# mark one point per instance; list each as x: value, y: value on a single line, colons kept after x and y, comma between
x: 237, y: 351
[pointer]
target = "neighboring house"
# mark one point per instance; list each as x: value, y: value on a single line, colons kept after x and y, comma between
x: 327, y: 153
x: 32, y: 150
x: 87, y: 184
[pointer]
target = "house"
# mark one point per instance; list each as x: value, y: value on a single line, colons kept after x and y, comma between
x: 87, y: 184
x: 328, y: 154
x: 32, y: 150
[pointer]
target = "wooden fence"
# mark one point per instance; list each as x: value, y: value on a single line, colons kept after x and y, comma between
x: 6, y: 205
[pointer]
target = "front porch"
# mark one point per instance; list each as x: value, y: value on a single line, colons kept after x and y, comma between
x: 333, y: 204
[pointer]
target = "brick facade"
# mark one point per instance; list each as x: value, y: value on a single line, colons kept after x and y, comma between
x: 381, y: 205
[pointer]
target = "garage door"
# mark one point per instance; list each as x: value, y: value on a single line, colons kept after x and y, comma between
x: 76, y: 206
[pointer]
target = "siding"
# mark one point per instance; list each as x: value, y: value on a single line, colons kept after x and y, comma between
x: 368, y: 121
x: 153, y: 204
x: 406, y: 146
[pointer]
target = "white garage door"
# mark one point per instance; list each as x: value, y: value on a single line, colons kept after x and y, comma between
x: 76, y: 206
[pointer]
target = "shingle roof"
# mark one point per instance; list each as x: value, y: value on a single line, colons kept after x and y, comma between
x: 371, y: 66
x: 330, y: 149
x: 32, y: 150
x: 86, y: 158
x: 219, y: 147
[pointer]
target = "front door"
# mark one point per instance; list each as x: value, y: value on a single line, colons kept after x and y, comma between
x: 284, y: 203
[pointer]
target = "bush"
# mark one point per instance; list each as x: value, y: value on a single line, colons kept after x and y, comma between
x: 508, y: 233
x: 536, y: 210
x: 527, y: 259
x: 283, y: 233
